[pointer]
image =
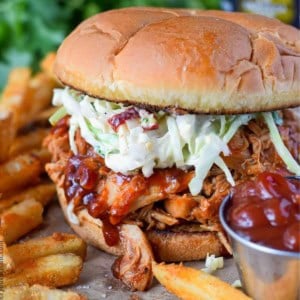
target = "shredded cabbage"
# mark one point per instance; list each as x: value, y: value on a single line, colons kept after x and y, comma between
x: 157, y: 140
x: 237, y: 284
x: 234, y: 123
x: 72, y: 131
x: 204, y: 157
x: 58, y: 115
x: 281, y: 149
x: 221, y: 164
x: 277, y: 119
x: 175, y: 141
x: 213, y: 263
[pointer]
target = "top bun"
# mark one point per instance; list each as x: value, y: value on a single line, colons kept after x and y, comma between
x: 198, y: 61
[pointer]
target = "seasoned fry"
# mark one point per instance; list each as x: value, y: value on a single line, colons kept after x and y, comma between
x: 8, y: 264
x: 43, y: 155
x: 16, y: 88
x: 20, y: 219
x: 54, y: 260
x: 42, y: 193
x: 52, y: 271
x: 34, y: 96
x: 42, y: 117
x: 40, y: 94
x: 58, y: 243
x: 7, y: 134
x: 39, y: 292
x: 25, y: 96
x: 24, y: 143
x: 15, y: 94
x: 19, y: 172
x: 48, y: 63
x: 188, y: 283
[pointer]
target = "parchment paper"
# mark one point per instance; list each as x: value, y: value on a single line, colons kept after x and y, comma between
x: 96, y: 280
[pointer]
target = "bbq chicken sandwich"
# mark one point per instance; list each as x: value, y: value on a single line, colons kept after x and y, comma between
x: 163, y: 111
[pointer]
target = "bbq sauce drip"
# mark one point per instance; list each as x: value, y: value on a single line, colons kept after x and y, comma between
x: 82, y: 175
x: 81, y: 178
x: 110, y: 232
x: 267, y: 211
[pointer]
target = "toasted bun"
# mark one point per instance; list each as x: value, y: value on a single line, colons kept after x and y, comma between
x: 166, y: 245
x: 90, y: 229
x: 198, y: 61
x: 184, y: 246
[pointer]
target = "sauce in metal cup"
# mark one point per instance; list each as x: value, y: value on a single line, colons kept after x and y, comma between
x: 265, y: 272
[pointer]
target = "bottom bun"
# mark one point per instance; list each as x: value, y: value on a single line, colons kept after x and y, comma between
x: 171, y: 246
x: 90, y: 229
x: 166, y: 245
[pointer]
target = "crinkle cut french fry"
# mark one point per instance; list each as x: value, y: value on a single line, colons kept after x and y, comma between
x: 188, y: 283
x: 39, y: 292
x: 21, y: 219
x: 24, y: 143
x: 7, y: 134
x: 53, y: 271
x: 8, y: 263
x: 19, y: 172
x: 42, y: 193
x: 15, y: 95
x: 58, y: 243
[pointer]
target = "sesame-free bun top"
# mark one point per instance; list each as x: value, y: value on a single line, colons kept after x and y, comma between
x: 199, y: 61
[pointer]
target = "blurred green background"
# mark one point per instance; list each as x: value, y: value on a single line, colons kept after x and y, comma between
x: 31, y: 28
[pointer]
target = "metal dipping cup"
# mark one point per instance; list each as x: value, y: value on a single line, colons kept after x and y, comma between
x: 265, y: 273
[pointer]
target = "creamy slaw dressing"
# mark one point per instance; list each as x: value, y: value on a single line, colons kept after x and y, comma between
x: 183, y: 141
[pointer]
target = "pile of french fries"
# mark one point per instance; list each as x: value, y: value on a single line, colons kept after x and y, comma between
x: 31, y: 269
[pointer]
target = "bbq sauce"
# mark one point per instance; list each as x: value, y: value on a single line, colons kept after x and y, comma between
x: 81, y: 177
x: 171, y: 180
x: 61, y: 127
x: 110, y: 232
x: 267, y: 211
x: 84, y: 184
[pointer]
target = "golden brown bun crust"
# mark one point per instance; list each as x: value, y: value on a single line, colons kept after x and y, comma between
x: 167, y: 246
x: 184, y: 246
x: 199, y: 61
x: 89, y: 229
